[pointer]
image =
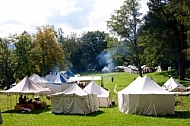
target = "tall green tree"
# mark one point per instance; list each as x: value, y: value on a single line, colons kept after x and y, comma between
x: 23, y: 52
x: 124, y: 23
x: 117, y: 49
x: 48, y: 51
x: 93, y: 43
x: 173, y: 13
x: 76, y: 58
x: 69, y: 45
x: 8, y: 60
x: 157, y: 40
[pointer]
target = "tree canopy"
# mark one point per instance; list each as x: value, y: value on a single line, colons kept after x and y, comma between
x: 161, y: 37
x: 125, y: 23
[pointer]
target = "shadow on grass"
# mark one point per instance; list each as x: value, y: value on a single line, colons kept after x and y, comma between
x: 113, y: 105
x: 183, y: 114
x: 173, y: 73
x: 178, y: 115
x: 93, y: 114
x: 36, y: 111
x: 185, y: 83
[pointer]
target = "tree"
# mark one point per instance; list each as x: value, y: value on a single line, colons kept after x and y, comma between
x: 175, y: 14
x: 76, y: 58
x: 117, y: 49
x: 125, y: 22
x: 23, y: 52
x: 65, y: 43
x: 93, y: 43
x: 8, y: 60
x: 48, y: 51
x: 157, y: 40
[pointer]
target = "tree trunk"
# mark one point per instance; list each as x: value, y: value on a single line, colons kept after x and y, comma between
x: 182, y: 58
x: 181, y: 67
x: 182, y: 44
x: 140, y: 71
x: 8, y: 83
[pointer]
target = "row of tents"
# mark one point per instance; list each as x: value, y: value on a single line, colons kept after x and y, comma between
x: 142, y: 96
x: 81, y: 101
x: 71, y: 99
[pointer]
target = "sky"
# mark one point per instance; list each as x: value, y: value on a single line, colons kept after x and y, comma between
x: 73, y: 16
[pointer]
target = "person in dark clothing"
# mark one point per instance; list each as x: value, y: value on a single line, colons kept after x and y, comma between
x: 24, y: 100
x: 21, y: 100
x: 112, y: 79
x: 30, y: 101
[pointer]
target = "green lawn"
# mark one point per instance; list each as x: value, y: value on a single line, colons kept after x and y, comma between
x: 105, y: 116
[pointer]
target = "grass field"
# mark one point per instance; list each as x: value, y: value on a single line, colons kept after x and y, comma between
x: 105, y: 116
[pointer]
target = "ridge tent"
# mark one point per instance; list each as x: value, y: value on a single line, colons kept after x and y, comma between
x: 105, y: 69
x: 74, y: 101
x: 49, y: 77
x: 39, y: 80
x: 58, y: 83
x: 102, y: 94
x: 144, y: 96
x: 26, y: 86
x: 58, y: 79
x: 172, y: 85
x: 69, y: 74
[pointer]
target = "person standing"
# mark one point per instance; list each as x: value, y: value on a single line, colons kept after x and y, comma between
x: 21, y: 100
x: 112, y: 79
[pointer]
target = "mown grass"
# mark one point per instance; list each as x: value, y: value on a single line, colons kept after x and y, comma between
x: 105, y: 116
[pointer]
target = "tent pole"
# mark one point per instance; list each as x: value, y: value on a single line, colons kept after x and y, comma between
x: 8, y: 102
x: 16, y: 98
x: 84, y: 108
x: 11, y: 101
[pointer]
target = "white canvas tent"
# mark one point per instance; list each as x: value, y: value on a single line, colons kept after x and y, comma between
x: 105, y: 69
x: 103, y: 95
x: 84, y: 78
x: 144, y: 96
x: 74, y: 101
x: 49, y: 77
x: 172, y: 85
x: 39, y: 80
x: 26, y: 86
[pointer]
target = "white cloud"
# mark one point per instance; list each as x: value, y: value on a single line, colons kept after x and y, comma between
x: 70, y: 15
x: 102, y: 13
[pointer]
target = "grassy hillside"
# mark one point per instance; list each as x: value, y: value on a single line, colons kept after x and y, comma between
x: 122, y: 79
x: 105, y: 116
